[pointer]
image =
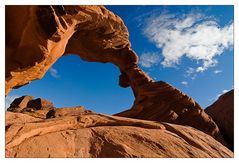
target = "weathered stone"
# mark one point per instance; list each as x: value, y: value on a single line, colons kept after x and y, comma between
x: 19, y: 104
x: 28, y: 104
x: 60, y: 112
x: 92, y: 32
x: 40, y: 104
x: 96, y: 135
x: 222, y: 112
x: 159, y: 101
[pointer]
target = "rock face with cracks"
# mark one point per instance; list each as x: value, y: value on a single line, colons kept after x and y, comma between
x: 40, y: 35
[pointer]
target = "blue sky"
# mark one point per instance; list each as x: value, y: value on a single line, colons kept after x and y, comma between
x: 190, y: 47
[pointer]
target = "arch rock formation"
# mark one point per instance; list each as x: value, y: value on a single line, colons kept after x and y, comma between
x: 36, y: 36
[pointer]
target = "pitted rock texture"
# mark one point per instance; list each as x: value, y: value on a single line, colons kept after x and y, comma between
x: 95, y: 135
x: 222, y: 112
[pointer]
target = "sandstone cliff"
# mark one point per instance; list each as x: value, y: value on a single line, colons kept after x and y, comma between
x: 222, y: 112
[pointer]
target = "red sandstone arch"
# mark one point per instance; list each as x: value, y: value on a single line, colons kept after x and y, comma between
x: 36, y: 36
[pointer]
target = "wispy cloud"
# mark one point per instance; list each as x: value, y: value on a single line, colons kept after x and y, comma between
x: 149, y: 59
x: 225, y: 91
x: 9, y: 99
x: 193, y: 35
x: 190, y: 73
x: 184, y: 83
x: 217, y: 71
x: 219, y: 94
x: 54, y: 73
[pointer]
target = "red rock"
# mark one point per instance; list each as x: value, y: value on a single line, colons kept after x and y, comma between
x: 48, y: 32
x: 60, y: 112
x: 159, y: 101
x: 19, y: 104
x: 222, y: 112
x: 40, y: 104
x: 96, y: 135
x: 28, y: 104
x: 15, y: 118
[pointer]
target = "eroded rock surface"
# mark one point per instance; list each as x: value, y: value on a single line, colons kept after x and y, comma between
x: 38, y: 36
x: 95, y: 135
x: 222, y: 112
x: 161, y: 102
x: 19, y: 104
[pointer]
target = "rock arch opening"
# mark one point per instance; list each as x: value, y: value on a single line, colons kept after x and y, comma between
x: 73, y: 82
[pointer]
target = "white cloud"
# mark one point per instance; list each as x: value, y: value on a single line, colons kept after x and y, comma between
x: 225, y: 91
x: 184, y: 83
x: 219, y: 94
x: 192, y: 35
x: 149, y: 59
x: 217, y: 71
x: 9, y: 99
x: 191, y: 73
x: 54, y: 72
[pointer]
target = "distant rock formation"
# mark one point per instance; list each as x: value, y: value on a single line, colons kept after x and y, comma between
x: 222, y: 112
x: 95, y: 135
x: 19, y: 104
x: 28, y: 104
x: 42, y: 108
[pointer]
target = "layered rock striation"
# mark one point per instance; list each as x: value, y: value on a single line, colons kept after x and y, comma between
x: 88, y: 134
